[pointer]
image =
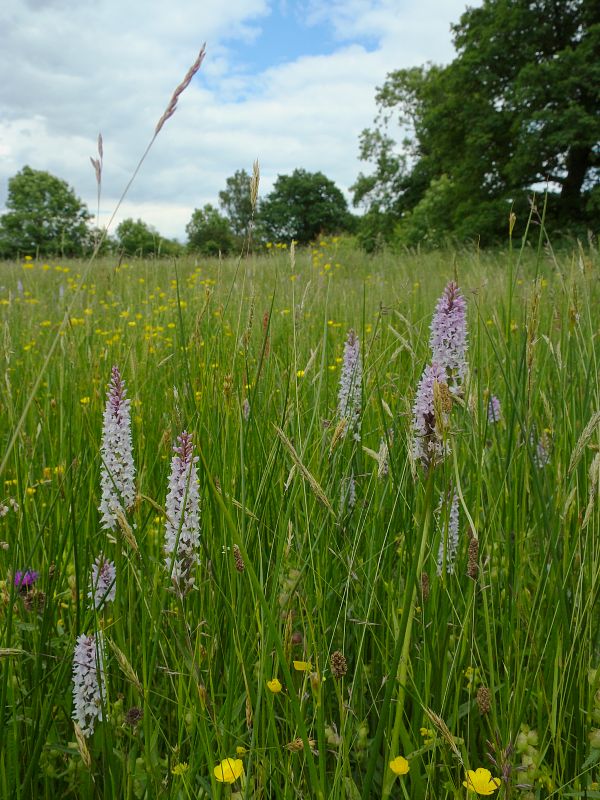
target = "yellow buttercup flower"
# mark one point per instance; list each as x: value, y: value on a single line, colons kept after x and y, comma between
x: 480, y: 781
x: 399, y: 765
x: 274, y: 685
x: 229, y: 770
x: 302, y: 666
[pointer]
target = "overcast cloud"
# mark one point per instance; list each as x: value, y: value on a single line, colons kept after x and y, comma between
x: 289, y: 83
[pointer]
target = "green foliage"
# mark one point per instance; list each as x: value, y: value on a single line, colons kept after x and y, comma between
x: 209, y: 233
x: 430, y: 221
x: 236, y: 203
x: 137, y: 238
x: 302, y: 206
x: 517, y: 107
x: 44, y: 217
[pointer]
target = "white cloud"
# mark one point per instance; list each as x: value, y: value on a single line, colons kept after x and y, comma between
x: 79, y: 68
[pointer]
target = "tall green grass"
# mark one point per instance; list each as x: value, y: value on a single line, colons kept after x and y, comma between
x: 194, y: 342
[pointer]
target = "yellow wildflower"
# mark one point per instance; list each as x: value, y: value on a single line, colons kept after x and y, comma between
x: 480, y: 781
x: 274, y: 685
x: 229, y: 770
x: 399, y: 765
x: 302, y: 666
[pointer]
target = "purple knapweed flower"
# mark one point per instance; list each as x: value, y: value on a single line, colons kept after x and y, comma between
x: 24, y: 580
x: 448, y: 339
x: 350, y: 391
x: 448, y: 523
x: 182, y: 532
x: 117, y: 477
x: 494, y: 412
x: 103, y: 582
x: 428, y: 444
x: 89, y: 682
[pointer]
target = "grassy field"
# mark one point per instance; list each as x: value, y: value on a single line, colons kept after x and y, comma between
x: 312, y: 542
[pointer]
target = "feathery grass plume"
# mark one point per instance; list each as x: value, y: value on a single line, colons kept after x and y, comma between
x: 254, y: 183
x: 117, y: 476
x: 494, y: 412
x: 428, y: 444
x: 89, y: 682
x: 103, y: 582
x: 171, y: 107
x: 449, y: 537
x: 350, y: 391
x: 182, y: 530
x: 448, y: 340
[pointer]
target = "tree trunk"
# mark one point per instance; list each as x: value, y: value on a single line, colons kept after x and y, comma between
x: 578, y: 161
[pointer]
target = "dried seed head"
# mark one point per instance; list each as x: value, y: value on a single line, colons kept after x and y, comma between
x: 425, y: 587
x: 297, y: 745
x: 237, y: 557
x: 339, y: 666
x: 249, y: 716
x: 34, y: 600
x: 134, y: 716
x: 254, y: 182
x: 228, y: 386
x: 473, y: 564
x: 170, y: 109
x: 484, y: 700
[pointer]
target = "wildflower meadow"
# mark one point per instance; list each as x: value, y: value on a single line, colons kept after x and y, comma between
x: 301, y: 524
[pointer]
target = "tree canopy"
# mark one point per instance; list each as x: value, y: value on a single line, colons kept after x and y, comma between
x: 518, y: 108
x: 44, y: 216
x: 209, y: 232
x: 137, y: 238
x: 236, y: 202
x: 301, y: 206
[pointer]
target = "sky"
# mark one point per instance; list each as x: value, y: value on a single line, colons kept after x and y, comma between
x: 288, y: 82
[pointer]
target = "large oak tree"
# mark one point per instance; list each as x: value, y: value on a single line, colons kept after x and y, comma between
x: 519, y: 107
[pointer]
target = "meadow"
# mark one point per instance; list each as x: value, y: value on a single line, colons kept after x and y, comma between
x: 335, y: 642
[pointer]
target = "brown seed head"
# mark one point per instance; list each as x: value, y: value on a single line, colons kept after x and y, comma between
x: 473, y: 565
x: 484, y: 700
x: 133, y: 716
x: 237, y: 557
x: 34, y: 600
x: 339, y: 666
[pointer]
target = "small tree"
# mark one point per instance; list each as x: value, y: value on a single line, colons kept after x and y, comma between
x: 137, y: 238
x: 236, y: 203
x: 44, y: 216
x: 302, y: 206
x: 209, y: 232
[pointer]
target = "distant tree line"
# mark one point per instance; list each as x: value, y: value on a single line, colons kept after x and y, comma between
x: 516, y: 111
x: 45, y: 217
